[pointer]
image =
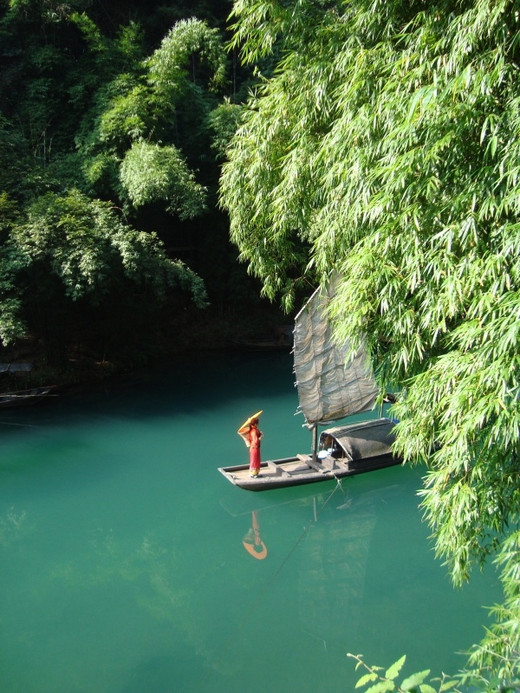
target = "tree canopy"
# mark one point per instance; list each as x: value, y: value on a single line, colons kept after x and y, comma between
x: 108, y: 117
x: 385, y: 146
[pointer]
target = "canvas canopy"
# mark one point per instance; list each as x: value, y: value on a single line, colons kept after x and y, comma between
x: 359, y: 441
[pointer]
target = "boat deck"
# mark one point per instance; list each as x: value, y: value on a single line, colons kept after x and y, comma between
x: 302, y: 469
x: 273, y: 473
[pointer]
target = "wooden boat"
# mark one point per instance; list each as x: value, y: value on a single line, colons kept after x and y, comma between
x: 332, y: 385
x: 22, y: 398
x: 356, y: 448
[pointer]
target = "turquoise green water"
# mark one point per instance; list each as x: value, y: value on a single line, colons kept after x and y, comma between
x: 123, y: 567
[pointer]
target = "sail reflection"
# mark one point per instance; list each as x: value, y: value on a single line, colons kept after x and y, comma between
x: 327, y: 552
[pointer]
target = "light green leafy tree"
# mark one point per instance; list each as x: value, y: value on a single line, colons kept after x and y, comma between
x: 150, y: 172
x: 92, y: 100
x: 70, y: 249
x: 386, y: 146
x: 191, y: 49
x: 84, y: 242
x: 152, y: 119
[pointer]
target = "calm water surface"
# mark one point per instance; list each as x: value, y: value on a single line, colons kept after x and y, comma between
x: 124, y: 553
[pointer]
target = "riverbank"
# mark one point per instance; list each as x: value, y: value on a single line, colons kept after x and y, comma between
x: 82, y: 364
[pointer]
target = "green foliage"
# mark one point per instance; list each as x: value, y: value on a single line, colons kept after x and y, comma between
x: 91, y: 33
x: 12, y: 324
x: 224, y: 121
x: 92, y: 100
x: 83, y: 243
x: 498, y: 651
x: 379, y: 681
x: 258, y: 26
x: 128, y: 117
x: 270, y: 185
x: 45, y: 11
x: 149, y: 122
x: 73, y: 249
x: 386, y: 147
x: 94, y: 97
x: 173, y: 62
x: 13, y: 157
x: 150, y: 172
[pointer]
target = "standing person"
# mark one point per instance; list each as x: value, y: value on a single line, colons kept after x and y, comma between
x: 251, y: 435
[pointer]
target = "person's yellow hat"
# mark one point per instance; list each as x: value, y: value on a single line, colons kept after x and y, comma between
x: 249, y: 421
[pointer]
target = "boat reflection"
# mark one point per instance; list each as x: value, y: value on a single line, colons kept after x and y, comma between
x: 333, y: 555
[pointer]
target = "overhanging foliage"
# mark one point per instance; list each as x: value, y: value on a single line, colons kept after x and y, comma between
x: 386, y: 146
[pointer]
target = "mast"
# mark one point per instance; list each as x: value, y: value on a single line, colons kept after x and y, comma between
x: 314, y: 442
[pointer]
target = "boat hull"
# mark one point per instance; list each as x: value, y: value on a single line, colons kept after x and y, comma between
x: 23, y: 398
x: 294, y: 471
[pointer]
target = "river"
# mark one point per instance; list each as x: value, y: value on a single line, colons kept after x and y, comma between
x: 128, y: 563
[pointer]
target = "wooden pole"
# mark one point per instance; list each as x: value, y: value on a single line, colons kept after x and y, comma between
x: 315, y: 442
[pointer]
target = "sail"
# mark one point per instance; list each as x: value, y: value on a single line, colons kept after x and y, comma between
x: 331, y: 383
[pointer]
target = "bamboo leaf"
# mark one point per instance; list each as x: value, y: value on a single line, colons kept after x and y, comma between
x: 381, y: 687
x: 367, y: 678
x: 393, y: 671
x: 414, y: 680
x: 426, y: 688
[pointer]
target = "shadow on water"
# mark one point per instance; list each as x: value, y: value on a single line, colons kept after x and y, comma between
x: 195, y: 384
x: 157, y: 673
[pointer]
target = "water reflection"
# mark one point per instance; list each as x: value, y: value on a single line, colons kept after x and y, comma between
x: 252, y: 541
x: 312, y: 592
x: 351, y: 570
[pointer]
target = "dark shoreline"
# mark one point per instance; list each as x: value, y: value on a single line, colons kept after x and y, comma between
x: 82, y: 369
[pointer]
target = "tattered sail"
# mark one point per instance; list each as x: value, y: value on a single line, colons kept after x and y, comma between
x: 331, y: 383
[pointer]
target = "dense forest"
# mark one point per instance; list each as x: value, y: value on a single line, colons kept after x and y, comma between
x: 114, y: 117
x: 166, y: 165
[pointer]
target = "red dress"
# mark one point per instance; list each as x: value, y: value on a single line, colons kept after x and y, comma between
x: 254, y: 449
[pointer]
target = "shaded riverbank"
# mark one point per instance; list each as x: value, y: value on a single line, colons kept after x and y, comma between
x: 83, y: 366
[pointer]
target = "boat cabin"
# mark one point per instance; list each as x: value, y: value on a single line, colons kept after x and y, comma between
x: 355, y: 442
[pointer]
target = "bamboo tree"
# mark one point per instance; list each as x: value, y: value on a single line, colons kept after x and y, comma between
x: 386, y: 147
